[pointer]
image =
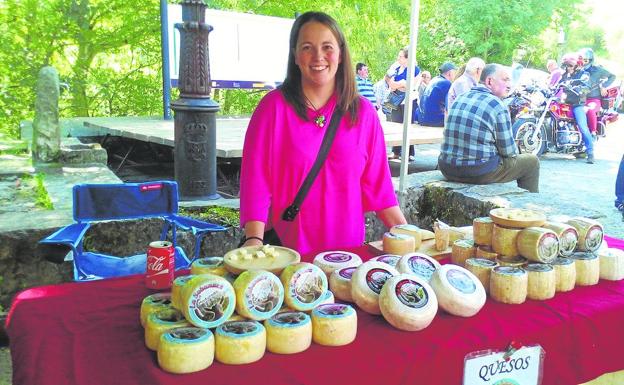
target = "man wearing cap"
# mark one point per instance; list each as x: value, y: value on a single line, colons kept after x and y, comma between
x: 467, y: 80
x: 433, y: 101
x: 478, y: 144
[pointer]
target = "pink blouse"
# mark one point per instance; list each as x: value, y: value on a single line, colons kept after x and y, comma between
x: 280, y: 149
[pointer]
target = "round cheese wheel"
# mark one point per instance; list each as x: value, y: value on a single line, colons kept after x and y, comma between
x: 538, y: 244
x: 461, y: 250
x: 407, y: 302
x: 328, y: 297
x: 288, y: 332
x: 304, y: 285
x: 611, y: 264
x: 366, y: 284
x: 542, y: 281
x: 481, y: 268
x: 587, y: 268
x: 504, y: 240
x: 153, y: 303
x: 176, y: 290
x: 230, y: 277
x: 517, y: 261
x: 485, y: 252
x: 568, y: 236
x: 330, y: 261
x: 340, y: 283
x: 207, y: 300
x: 482, y: 231
x: 334, y: 324
x: 509, y: 284
x: 418, y: 264
x: 590, y: 233
x: 390, y: 259
x: 240, y: 342
x: 186, y: 350
x: 458, y: 291
x: 259, y: 294
x: 410, y: 230
x: 565, y: 274
x: 399, y: 244
x: 159, y: 322
x: 208, y: 265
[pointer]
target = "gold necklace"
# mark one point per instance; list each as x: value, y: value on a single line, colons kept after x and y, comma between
x: 320, y: 118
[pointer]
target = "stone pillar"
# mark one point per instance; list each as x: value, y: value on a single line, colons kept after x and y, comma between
x: 195, y: 159
x: 46, y: 144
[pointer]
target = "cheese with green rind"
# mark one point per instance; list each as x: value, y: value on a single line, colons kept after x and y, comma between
x: 240, y: 342
x: 259, y: 294
x: 366, y: 284
x: 152, y: 303
x: 407, y: 302
x: 176, y: 290
x: 208, y: 300
x: 334, y: 324
x: 159, y: 322
x: 186, y: 350
x: 304, y: 284
x: 288, y: 332
x: 208, y: 265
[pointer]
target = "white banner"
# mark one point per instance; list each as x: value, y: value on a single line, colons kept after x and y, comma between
x: 524, y: 367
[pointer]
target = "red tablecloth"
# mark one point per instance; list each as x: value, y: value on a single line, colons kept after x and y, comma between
x: 88, y: 333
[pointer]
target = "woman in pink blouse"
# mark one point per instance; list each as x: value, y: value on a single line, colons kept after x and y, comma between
x: 284, y: 137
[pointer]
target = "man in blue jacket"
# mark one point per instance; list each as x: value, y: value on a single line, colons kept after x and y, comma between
x: 433, y: 103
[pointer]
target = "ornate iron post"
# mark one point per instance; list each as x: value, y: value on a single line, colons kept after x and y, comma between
x: 195, y: 159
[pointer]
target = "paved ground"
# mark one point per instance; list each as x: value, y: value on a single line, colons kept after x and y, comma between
x: 5, y: 366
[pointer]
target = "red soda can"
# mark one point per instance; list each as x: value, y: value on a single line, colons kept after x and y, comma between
x: 160, y: 265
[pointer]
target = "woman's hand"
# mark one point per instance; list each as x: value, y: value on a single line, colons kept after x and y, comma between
x: 254, y: 232
x: 252, y: 242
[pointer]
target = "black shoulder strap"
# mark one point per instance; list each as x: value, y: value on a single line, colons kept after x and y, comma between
x: 291, y: 211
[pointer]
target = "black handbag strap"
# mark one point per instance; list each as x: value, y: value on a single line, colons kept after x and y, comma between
x: 291, y: 211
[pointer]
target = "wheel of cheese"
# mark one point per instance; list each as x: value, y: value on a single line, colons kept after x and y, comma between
x: 207, y: 300
x: 153, y: 303
x: 289, y: 332
x: 328, y: 297
x: 240, y: 342
x: 542, y: 281
x: 159, y: 322
x: 208, y: 265
x: 482, y: 231
x: 186, y: 350
x: 259, y: 294
x: 407, y: 302
x: 538, y: 244
x: 611, y: 264
x: 459, y: 292
x: 366, y: 284
x: 461, y: 250
x: 410, y: 230
x: 590, y: 233
x: 399, y: 244
x: 509, y: 284
x: 330, y: 261
x: 568, y: 236
x: 504, y: 241
x: 587, y: 268
x: 176, y: 290
x: 304, y: 285
x: 340, y: 283
x: 482, y: 269
x: 334, y: 324
x: 565, y: 274
x: 517, y: 261
x: 486, y: 252
x: 418, y: 264
x: 230, y: 277
x: 390, y: 259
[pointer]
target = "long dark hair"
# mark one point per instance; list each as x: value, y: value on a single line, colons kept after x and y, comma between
x: 348, y: 98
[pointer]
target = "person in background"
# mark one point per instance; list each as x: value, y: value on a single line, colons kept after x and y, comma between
x: 283, y: 140
x: 555, y: 72
x: 478, y: 145
x: 619, y: 188
x: 425, y: 79
x: 599, y: 80
x: 364, y: 86
x: 469, y: 79
x: 381, y: 91
x: 433, y: 103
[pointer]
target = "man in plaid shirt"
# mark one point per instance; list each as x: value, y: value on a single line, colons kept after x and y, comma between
x: 478, y: 145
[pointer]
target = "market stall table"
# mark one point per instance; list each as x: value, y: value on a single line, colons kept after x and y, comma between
x: 89, y: 333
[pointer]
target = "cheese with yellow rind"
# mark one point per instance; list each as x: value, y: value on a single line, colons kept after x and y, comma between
x: 304, y: 284
x: 590, y: 233
x: 159, y: 322
x: 542, y: 281
x: 568, y: 236
x: 153, y: 303
x: 461, y: 250
x: 481, y: 268
x: 240, y: 342
x: 409, y: 230
x: 418, y: 264
x: 459, y: 292
x: 366, y: 284
x: 328, y: 297
x: 340, y: 283
x: 587, y: 268
x: 482, y: 231
x: 509, y: 284
x: 207, y: 300
x: 259, y: 294
x: 504, y: 241
x: 518, y: 261
x: 611, y: 264
x: 288, y: 332
x: 538, y: 244
x: 407, y: 302
x: 329, y: 261
x: 398, y: 244
x: 565, y: 274
x: 208, y: 265
x: 186, y: 350
x: 334, y: 324
x: 176, y: 290
x: 486, y: 252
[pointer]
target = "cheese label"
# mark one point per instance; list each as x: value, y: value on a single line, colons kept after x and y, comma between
x: 290, y: 318
x: 333, y: 310
x: 422, y: 267
x: 187, y: 335
x: 461, y: 281
x: 347, y: 272
x: 375, y: 279
x: 593, y: 239
x: 158, y: 299
x: 307, y: 285
x: 548, y: 246
x: 238, y: 329
x: 411, y: 293
x: 538, y: 267
x: 263, y: 294
x: 567, y: 241
x: 209, y: 301
x: 337, y: 257
x: 210, y: 262
x: 389, y: 259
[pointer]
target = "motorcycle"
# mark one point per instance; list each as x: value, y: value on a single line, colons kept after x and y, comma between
x: 608, y: 112
x: 550, y: 125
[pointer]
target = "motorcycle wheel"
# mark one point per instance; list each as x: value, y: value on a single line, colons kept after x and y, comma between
x: 524, y: 129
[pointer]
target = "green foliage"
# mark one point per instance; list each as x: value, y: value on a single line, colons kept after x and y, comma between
x: 32, y: 187
x: 214, y: 214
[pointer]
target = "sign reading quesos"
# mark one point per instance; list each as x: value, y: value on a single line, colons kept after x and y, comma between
x: 524, y: 367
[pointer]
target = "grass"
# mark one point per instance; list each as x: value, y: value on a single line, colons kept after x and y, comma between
x: 224, y: 216
x: 32, y: 187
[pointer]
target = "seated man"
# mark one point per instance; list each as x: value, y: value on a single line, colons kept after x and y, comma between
x: 433, y: 102
x: 478, y: 144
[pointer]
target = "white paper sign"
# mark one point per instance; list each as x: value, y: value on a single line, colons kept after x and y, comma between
x: 524, y: 367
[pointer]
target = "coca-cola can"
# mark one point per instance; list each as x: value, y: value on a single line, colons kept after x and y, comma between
x: 160, y: 265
